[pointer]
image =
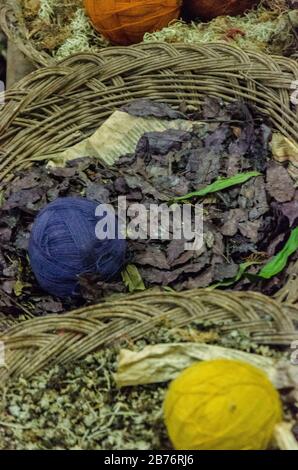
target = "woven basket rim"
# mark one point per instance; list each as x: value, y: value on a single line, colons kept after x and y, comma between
x: 54, y: 339
x: 13, y: 25
x: 183, y: 73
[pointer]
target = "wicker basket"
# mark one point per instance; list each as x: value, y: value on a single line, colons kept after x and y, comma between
x: 58, y: 106
x: 13, y: 25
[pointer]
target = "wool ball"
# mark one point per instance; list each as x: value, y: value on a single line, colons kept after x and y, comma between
x: 126, y: 21
x: 63, y: 244
x: 208, y: 9
x: 221, y: 405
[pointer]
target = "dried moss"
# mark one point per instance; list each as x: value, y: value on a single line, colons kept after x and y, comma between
x: 79, y: 407
x: 64, y: 29
x: 252, y: 30
x: 82, y: 37
x: 46, y: 10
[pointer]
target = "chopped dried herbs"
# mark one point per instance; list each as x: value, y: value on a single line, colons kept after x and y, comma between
x: 78, y: 406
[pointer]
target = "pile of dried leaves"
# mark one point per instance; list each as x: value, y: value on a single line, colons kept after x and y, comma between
x: 245, y: 224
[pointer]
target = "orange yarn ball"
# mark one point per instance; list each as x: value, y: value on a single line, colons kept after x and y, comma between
x: 208, y: 9
x: 126, y: 21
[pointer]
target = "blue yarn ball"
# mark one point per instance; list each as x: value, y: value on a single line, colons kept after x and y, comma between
x: 63, y: 245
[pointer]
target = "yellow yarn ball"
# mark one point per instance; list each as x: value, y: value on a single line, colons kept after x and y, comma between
x: 221, y: 405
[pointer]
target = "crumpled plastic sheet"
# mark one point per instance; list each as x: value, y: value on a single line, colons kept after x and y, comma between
x: 163, y: 362
x: 285, y: 151
x: 118, y: 136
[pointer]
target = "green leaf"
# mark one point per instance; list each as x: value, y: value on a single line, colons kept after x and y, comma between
x: 169, y: 289
x: 132, y: 278
x: 279, y: 262
x: 220, y: 184
x: 243, y: 267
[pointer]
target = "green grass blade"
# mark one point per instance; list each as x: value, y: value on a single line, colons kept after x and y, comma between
x: 220, y: 184
x: 243, y: 267
x: 279, y: 261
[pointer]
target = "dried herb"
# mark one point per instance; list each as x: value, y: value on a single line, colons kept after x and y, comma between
x: 132, y: 278
x: 78, y: 406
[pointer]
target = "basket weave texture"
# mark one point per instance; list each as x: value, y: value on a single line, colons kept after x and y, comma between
x: 13, y: 23
x: 58, y: 339
x: 58, y: 106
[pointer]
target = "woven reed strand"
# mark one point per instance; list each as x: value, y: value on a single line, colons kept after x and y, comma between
x: 59, y: 339
x: 57, y: 106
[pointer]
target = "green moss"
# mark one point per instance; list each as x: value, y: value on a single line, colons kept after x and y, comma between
x: 81, y: 35
x: 46, y: 10
x: 64, y: 29
x: 255, y: 30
